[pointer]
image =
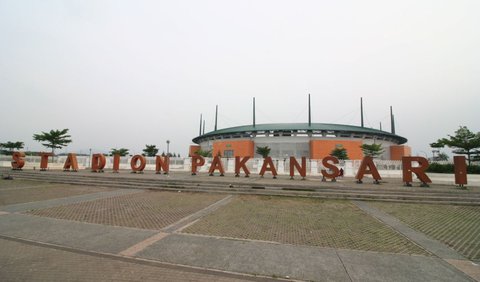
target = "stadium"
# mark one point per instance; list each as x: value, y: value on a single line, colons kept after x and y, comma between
x: 311, y: 140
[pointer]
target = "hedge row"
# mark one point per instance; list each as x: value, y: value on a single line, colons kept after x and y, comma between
x: 449, y: 168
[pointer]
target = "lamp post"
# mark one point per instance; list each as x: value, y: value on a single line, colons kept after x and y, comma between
x: 168, y: 148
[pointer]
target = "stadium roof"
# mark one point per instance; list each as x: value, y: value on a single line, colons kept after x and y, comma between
x: 286, y: 129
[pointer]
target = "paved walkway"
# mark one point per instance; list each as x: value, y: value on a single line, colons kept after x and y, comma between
x: 48, y: 249
x: 437, y: 248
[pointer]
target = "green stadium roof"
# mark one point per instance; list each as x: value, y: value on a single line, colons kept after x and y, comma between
x: 298, y: 127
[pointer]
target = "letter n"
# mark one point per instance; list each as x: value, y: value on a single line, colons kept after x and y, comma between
x: 295, y: 165
x: 162, y: 163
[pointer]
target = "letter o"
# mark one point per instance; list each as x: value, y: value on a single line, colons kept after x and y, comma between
x: 134, y: 161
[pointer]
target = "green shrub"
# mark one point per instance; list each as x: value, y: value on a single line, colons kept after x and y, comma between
x: 473, y: 169
x: 449, y: 168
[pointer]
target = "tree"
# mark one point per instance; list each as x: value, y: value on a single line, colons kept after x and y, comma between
x: 122, y: 152
x: 441, y: 157
x: 372, y: 150
x: 150, y: 150
x: 11, y: 146
x: 263, y: 151
x: 464, y: 142
x: 340, y: 153
x: 207, y: 154
x: 55, y: 139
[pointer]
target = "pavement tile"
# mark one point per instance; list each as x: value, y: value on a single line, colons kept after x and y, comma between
x: 24, y: 194
x: 65, y: 201
x: 152, y: 210
x: 25, y: 262
x: 367, y: 266
x: 253, y: 257
x: 299, y: 221
x: 421, y: 239
x: 94, y: 237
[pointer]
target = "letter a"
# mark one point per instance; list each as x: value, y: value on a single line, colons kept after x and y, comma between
x: 216, y: 164
x: 368, y: 167
x: 71, y: 163
x: 268, y: 166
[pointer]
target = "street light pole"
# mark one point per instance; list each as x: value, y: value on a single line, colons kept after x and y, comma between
x: 168, y: 148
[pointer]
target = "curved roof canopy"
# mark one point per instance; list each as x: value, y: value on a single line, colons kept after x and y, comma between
x: 299, y: 129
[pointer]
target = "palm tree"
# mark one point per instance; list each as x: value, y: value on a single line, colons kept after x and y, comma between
x: 340, y: 153
x: 122, y: 152
x: 264, y: 151
x: 150, y: 150
x: 55, y: 139
x: 372, y: 150
x: 206, y: 154
x: 10, y: 146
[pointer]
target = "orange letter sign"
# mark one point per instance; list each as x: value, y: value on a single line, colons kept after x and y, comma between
x: 162, y: 163
x: 216, y: 164
x: 419, y: 171
x: 268, y: 166
x: 71, y: 163
x: 98, y: 162
x: 331, y: 166
x: 197, y: 161
x: 17, y: 160
x: 367, y: 162
x: 295, y: 165
x: 241, y: 164
x: 116, y: 163
x: 460, y: 170
x: 141, y: 166
x: 44, y: 160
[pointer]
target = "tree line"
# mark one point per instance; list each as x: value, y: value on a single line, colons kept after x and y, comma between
x: 57, y: 139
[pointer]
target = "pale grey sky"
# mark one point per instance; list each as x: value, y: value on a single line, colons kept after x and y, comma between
x: 130, y: 73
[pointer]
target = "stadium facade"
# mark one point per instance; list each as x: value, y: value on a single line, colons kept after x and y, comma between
x: 311, y: 140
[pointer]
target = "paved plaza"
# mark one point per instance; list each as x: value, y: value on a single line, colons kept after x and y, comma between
x: 52, y: 231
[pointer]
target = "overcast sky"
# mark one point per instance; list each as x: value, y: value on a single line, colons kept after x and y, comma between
x: 130, y: 73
